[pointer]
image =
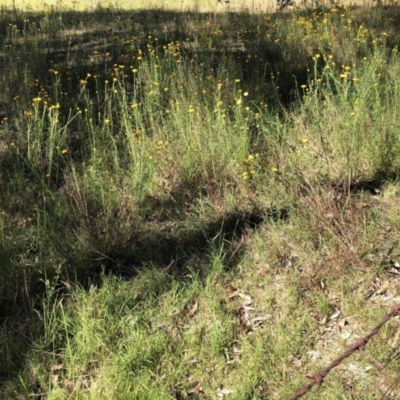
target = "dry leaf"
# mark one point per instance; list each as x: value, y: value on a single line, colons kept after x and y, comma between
x: 224, y: 392
x: 236, y: 357
x: 261, y: 271
x: 260, y: 320
x: 69, y: 386
x: 337, y: 328
x: 335, y: 315
x: 342, y: 323
x: 346, y: 335
x: 197, y: 389
x: 235, y: 293
x: 193, y: 309
x: 54, y: 380
x: 86, y: 382
x: 244, y: 317
x: 394, y: 271
x: 55, y: 368
x: 32, y: 377
x: 228, y: 361
x: 247, y: 299
x: 231, y: 289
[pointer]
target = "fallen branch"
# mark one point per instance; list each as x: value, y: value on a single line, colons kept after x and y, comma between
x: 318, y: 378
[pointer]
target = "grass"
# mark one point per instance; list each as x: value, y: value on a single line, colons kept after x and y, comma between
x: 183, y: 5
x: 198, y: 205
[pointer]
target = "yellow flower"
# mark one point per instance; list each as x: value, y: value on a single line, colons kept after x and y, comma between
x: 64, y: 151
x: 239, y: 102
x: 107, y: 121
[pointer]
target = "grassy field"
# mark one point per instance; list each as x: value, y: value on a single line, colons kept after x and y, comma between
x: 198, y: 205
x: 182, y: 5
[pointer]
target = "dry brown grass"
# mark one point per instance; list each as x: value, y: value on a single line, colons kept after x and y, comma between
x: 200, y: 5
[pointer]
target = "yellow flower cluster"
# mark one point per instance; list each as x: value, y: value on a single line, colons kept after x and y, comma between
x: 252, y: 166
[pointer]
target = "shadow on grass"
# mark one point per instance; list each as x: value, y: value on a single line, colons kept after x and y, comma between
x: 174, y: 250
x: 375, y: 185
x: 165, y: 244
